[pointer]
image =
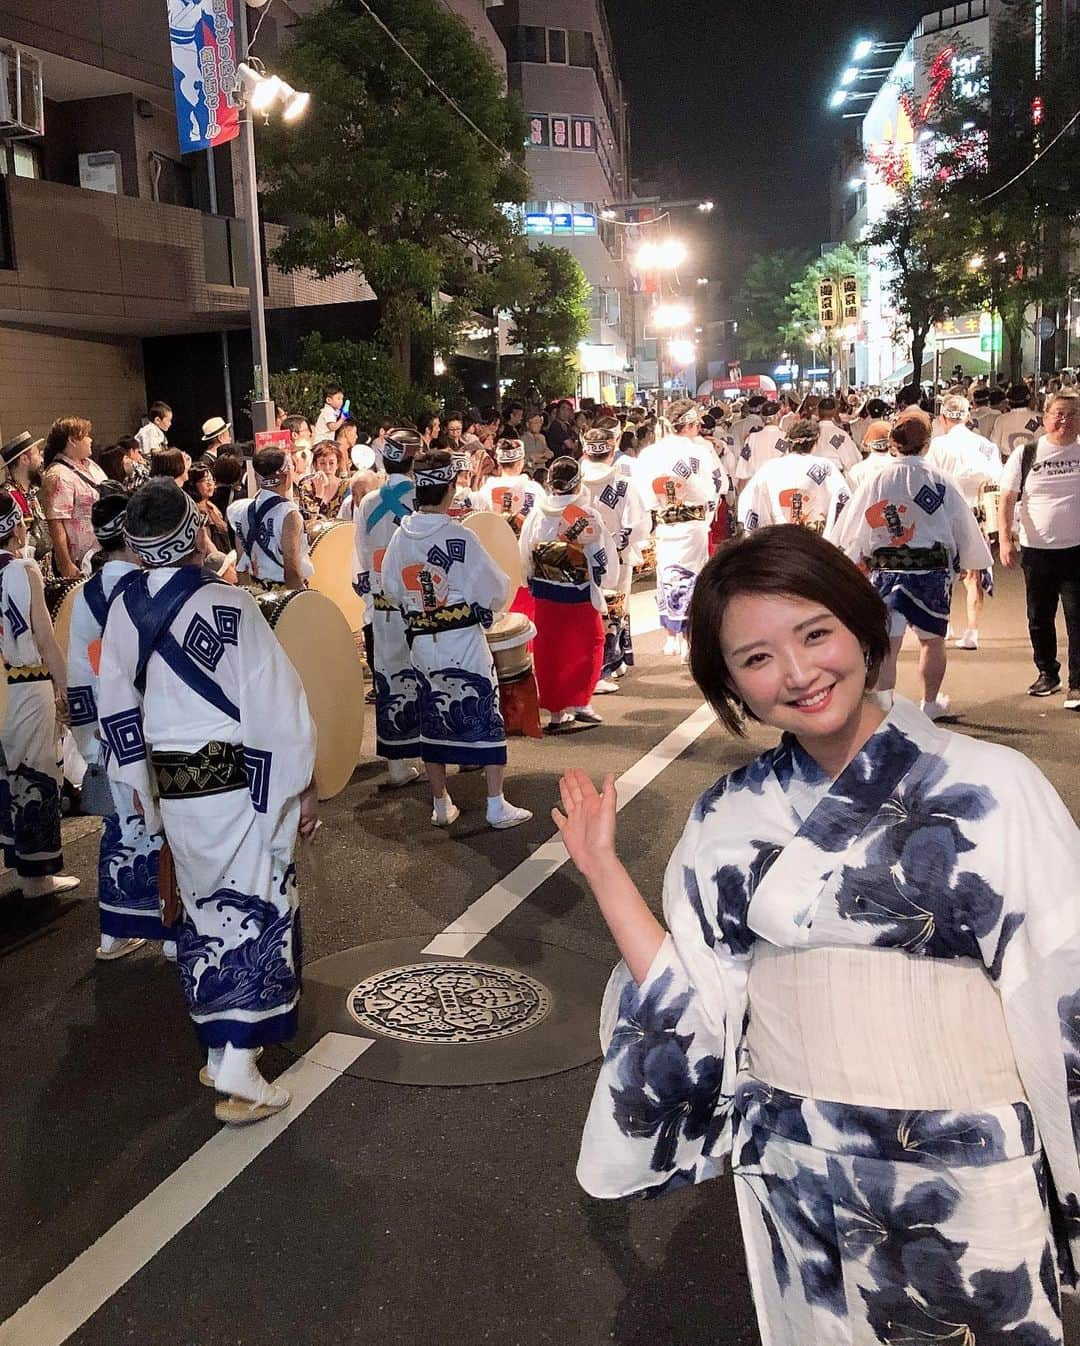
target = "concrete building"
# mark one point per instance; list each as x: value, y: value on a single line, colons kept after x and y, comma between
x: 561, y: 63
x: 119, y: 275
x: 475, y: 14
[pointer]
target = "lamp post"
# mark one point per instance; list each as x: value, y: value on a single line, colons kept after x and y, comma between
x: 664, y: 255
x: 669, y: 318
x: 258, y: 92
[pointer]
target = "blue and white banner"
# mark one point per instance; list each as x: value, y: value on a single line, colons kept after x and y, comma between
x: 203, y: 38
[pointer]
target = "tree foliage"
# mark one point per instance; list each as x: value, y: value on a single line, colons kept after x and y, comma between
x: 763, y: 302
x: 383, y: 176
x: 375, y: 386
x: 548, y: 322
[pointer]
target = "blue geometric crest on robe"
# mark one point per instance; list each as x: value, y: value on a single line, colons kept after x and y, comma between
x: 82, y: 706
x: 123, y: 732
x: 227, y: 623
x: 203, y: 644
x: 455, y: 551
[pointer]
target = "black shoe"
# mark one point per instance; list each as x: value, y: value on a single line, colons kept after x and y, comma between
x: 1072, y: 701
x: 1044, y: 685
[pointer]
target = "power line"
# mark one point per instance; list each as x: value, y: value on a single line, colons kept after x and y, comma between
x: 503, y: 154
x: 1041, y: 155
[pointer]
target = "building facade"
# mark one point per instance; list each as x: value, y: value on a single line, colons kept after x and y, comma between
x: 561, y: 63
x: 122, y: 261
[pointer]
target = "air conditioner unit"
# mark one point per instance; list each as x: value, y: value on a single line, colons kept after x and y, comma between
x: 22, y: 96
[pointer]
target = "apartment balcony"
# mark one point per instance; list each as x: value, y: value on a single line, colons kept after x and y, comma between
x: 123, y: 265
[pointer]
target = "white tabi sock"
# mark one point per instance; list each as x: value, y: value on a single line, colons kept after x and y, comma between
x: 213, y: 1061
x: 496, y: 806
x: 443, y: 806
x: 108, y: 943
x: 238, y: 1075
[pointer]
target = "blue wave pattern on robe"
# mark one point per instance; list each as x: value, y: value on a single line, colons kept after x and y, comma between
x: 913, y: 1225
x: 128, y: 879
x: 30, y: 822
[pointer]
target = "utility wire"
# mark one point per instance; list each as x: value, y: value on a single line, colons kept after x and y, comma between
x: 255, y: 34
x: 1041, y: 155
x: 503, y: 154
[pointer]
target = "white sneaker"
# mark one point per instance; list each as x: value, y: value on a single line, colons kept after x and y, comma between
x: 968, y: 641
x: 934, y: 710
x: 606, y: 686
x: 50, y: 886
x: 507, y: 817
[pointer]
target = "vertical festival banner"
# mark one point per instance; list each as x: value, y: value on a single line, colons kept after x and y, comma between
x: 203, y: 38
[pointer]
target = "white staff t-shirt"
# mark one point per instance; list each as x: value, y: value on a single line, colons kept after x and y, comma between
x: 1050, y: 504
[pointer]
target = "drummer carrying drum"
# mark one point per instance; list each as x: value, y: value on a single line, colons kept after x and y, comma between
x: 269, y: 530
x: 448, y: 590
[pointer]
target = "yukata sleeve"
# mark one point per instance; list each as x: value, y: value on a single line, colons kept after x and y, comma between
x: 845, y: 527
x: 120, y: 712
x: 753, y: 506
x: 972, y: 552
x: 660, y: 1116
x: 82, y: 683
x: 489, y: 587
x: 392, y: 587
x: 278, y: 731
x: 1033, y: 954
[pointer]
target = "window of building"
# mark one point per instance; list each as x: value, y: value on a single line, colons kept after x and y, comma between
x: 560, y: 133
x: 582, y: 133
x: 581, y: 49
x: 539, y: 131
x: 528, y: 44
x: 557, y: 46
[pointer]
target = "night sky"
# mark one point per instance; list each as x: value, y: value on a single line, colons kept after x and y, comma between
x: 733, y: 94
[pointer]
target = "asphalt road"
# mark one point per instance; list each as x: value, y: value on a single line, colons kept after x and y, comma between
x: 384, y: 1213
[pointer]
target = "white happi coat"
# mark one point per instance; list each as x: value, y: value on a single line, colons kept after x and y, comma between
x: 569, y: 533
x: 799, y: 488
x: 263, y: 556
x: 877, y: 460
x: 233, y: 850
x: 761, y: 447
x: 869, y: 1000
x: 618, y: 502
x: 677, y: 471
x: 513, y: 497
x: 128, y: 903
x: 911, y: 505
x: 836, y: 445
x: 969, y: 459
x: 436, y: 571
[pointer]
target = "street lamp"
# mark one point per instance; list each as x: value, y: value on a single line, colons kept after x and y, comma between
x: 681, y: 350
x: 668, y: 254
x: 706, y: 207
x: 257, y: 92
x: 670, y: 317
x: 703, y: 280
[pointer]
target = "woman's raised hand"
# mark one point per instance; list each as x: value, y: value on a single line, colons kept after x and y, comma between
x: 587, y: 820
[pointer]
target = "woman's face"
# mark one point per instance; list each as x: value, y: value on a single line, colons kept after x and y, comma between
x: 794, y: 664
x: 205, y: 487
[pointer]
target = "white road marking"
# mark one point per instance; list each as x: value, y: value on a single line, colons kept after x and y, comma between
x: 62, y: 1306
x: 480, y: 919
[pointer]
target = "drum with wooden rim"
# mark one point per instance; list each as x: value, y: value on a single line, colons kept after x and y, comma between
x: 497, y: 538
x: 60, y: 600
x: 330, y: 548
x: 510, y: 638
x: 316, y: 637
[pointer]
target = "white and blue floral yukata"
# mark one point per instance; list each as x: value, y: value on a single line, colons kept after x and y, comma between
x: 128, y: 902
x: 397, y: 705
x: 448, y: 589
x: 29, y: 770
x: 870, y: 1000
x: 206, y: 721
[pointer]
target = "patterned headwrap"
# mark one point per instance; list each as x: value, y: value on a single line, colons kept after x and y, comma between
x: 11, y: 520
x: 690, y: 416
x: 509, y: 451
x: 168, y: 548
x: 571, y: 485
x: 599, y: 443
x: 401, y: 444
x: 461, y: 462
x: 275, y: 478
x: 436, y: 476
x: 109, y: 521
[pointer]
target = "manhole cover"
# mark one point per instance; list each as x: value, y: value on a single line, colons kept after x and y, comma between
x: 437, y: 1002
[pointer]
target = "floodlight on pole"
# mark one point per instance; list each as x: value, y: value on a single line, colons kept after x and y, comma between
x: 682, y: 351
x: 850, y: 75
x: 671, y: 317
x: 666, y: 254
x: 862, y: 50
x: 839, y: 98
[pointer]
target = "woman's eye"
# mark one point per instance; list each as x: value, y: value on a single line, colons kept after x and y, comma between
x: 755, y: 660
x: 818, y: 632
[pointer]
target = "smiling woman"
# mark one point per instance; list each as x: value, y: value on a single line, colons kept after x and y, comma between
x: 866, y: 990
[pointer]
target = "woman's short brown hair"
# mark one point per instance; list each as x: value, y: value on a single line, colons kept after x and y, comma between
x: 327, y: 447
x: 783, y: 561
x: 912, y: 432
x: 168, y: 463
x: 67, y: 427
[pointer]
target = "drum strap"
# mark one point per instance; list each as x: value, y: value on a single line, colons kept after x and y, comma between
x: 260, y: 532
x: 152, y: 617
x: 94, y: 593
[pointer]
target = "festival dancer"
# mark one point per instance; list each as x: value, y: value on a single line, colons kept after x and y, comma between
x: 129, y: 907
x: 912, y: 531
x: 681, y: 480
x: 37, y: 708
x: 270, y: 529
x: 206, y: 721
x: 799, y: 488
x: 761, y: 445
x: 570, y: 560
x: 448, y: 589
x: 397, y: 714
x: 617, y: 500
x: 513, y: 495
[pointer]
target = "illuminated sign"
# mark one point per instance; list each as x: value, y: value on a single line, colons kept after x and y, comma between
x: 559, y: 222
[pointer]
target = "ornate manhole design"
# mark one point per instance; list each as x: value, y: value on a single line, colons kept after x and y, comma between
x: 448, y: 1002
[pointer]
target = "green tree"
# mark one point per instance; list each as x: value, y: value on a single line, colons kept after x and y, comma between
x: 549, y: 320
x: 383, y: 176
x: 763, y: 302
x: 374, y: 385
